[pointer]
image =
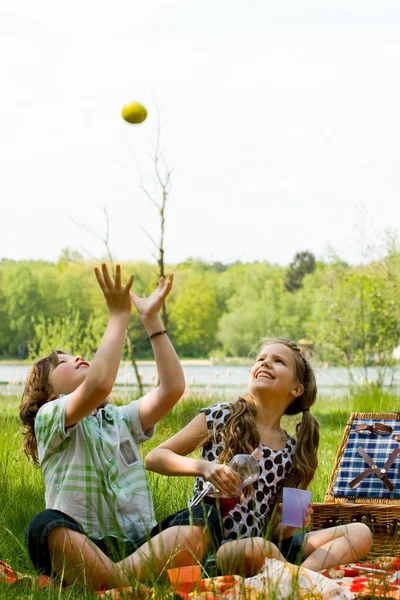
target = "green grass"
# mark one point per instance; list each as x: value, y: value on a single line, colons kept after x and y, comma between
x: 22, y: 492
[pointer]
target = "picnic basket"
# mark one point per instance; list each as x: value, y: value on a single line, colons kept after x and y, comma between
x: 361, y: 489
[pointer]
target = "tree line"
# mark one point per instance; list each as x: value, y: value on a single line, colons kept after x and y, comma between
x: 351, y: 314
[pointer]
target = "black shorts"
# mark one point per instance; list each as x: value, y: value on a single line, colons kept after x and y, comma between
x: 37, y: 536
x: 292, y: 548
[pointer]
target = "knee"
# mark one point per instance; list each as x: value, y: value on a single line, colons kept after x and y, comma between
x: 207, y: 531
x: 38, y: 526
x: 194, y: 538
x: 256, y: 550
x: 246, y: 556
x: 361, y: 537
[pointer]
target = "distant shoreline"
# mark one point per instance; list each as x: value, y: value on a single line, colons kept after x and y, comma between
x: 186, y: 362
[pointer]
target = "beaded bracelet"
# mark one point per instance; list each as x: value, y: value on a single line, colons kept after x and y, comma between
x: 156, y: 333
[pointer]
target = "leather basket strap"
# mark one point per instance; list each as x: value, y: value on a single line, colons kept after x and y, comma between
x: 379, y: 428
x: 382, y: 428
x: 381, y: 473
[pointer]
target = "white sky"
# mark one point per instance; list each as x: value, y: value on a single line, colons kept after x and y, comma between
x: 282, y: 119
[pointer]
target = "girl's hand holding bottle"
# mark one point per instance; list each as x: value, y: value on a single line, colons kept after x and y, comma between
x: 226, y: 482
x: 221, y: 479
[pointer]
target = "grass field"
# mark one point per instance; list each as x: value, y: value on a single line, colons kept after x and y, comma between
x: 22, y: 493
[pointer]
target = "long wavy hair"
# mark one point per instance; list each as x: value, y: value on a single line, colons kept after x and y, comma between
x: 38, y: 391
x: 240, y: 433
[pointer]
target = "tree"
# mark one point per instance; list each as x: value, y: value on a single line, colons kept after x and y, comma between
x: 355, y: 321
x: 5, y: 329
x: 303, y: 263
x: 158, y: 196
x: 253, y: 296
x: 23, y: 302
x: 68, y: 257
x: 194, y: 314
x: 68, y: 332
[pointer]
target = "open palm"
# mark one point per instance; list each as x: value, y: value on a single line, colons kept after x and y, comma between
x: 150, y: 306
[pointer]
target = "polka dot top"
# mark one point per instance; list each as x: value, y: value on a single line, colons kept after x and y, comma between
x: 249, y: 517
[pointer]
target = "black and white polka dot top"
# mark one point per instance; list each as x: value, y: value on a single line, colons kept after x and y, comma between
x: 249, y: 517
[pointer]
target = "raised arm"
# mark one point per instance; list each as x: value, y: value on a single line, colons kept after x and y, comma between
x: 170, y: 458
x: 158, y: 402
x: 103, y: 370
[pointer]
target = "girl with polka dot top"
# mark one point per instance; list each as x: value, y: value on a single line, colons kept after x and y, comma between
x: 281, y: 382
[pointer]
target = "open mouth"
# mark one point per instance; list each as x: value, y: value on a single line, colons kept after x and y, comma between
x: 263, y: 375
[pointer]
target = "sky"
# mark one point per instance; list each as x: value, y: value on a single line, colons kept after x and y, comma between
x: 280, y: 122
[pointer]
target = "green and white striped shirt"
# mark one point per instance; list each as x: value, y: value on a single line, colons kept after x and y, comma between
x: 93, y: 471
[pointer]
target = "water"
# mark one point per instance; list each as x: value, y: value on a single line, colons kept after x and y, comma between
x: 205, y: 378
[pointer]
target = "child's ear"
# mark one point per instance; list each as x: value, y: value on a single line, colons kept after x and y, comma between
x: 297, y: 390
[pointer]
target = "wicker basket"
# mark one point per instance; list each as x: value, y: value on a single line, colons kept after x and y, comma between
x: 381, y: 515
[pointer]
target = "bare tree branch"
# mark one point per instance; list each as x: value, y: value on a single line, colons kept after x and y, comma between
x: 161, y: 180
x: 148, y: 235
x: 105, y: 239
x: 89, y: 253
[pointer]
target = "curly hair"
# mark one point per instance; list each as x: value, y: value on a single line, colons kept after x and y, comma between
x: 241, y: 436
x: 38, y: 391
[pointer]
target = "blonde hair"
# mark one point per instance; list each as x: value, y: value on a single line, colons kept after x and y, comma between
x: 37, y: 392
x: 240, y: 433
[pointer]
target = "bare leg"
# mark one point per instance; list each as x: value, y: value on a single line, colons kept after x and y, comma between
x: 246, y: 557
x: 336, y: 546
x: 175, y: 547
x: 78, y: 561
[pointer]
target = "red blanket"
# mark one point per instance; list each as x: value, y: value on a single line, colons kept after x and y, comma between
x: 380, y: 579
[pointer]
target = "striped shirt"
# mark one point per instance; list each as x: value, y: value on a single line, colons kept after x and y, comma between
x: 93, y: 471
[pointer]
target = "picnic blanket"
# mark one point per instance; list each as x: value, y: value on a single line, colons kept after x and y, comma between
x: 9, y: 577
x: 377, y: 580
x: 380, y: 579
x: 276, y: 579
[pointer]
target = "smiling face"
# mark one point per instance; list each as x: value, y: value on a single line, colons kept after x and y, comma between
x: 273, y: 374
x: 68, y: 375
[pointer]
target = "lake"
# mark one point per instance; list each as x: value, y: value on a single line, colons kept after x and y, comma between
x: 204, y: 378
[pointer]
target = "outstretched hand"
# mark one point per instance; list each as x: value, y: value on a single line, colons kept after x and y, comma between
x: 117, y: 297
x: 150, y: 306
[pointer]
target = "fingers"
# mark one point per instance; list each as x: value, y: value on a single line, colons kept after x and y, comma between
x: 106, y: 276
x: 117, y: 276
x: 100, y: 279
x: 307, y: 518
x: 170, y: 281
x: 129, y: 284
x: 106, y: 283
x: 134, y: 297
x: 225, y: 480
x: 166, y: 286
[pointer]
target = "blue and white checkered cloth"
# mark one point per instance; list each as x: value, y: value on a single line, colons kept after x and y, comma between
x: 379, y: 448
